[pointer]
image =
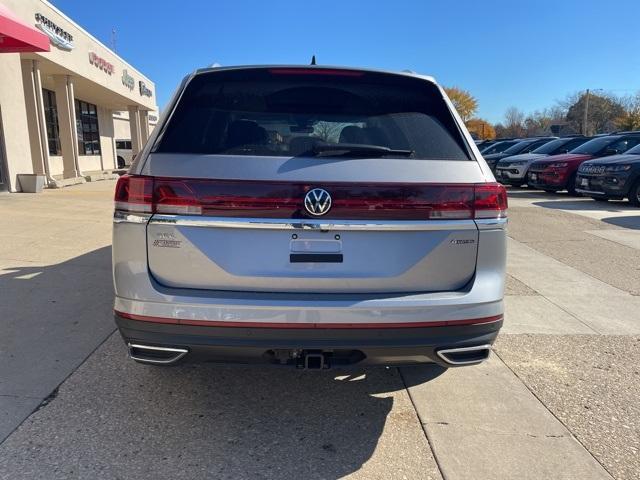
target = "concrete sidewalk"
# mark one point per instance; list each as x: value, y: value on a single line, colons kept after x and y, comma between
x: 56, y: 294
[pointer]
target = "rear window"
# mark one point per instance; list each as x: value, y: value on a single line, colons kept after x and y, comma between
x: 499, y: 147
x: 289, y: 112
x: 594, y: 146
x: 523, y: 147
x: 552, y: 146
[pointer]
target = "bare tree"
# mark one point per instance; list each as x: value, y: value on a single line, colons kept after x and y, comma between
x: 630, y: 120
x: 327, y: 131
x: 514, y: 122
x: 541, y: 121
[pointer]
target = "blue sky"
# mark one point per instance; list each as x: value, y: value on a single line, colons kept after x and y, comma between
x: 523, y: 53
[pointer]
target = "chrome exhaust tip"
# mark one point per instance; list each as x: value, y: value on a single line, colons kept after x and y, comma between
x: 465, y: 355
x: 155, y: 355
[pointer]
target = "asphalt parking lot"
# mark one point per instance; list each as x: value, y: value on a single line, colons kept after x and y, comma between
x: 558, y: 399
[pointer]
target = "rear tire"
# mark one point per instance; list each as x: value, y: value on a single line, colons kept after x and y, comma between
x: 634, y: 194
x: 121, y: 162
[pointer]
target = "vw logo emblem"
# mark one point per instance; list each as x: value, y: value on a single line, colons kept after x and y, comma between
x: 317, y: 201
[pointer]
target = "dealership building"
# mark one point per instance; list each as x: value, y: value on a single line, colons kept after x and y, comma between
x: 68, y: 103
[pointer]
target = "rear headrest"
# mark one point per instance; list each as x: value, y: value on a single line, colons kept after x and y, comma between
x: 245, y: 132
x: 353, y: 134
x: 300, y: 145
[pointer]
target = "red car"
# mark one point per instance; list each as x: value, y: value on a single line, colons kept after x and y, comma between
x: 559, y: 172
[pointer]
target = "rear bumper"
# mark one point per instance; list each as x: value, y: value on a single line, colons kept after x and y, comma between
x: 190, y: 313
x: 341, y: 347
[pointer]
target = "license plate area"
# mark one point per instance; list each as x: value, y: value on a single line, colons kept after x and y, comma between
x: 315, y: 258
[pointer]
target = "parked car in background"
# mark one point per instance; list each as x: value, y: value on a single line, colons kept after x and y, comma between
x: 245, y: 233
x: 522, y: 146
x: 559, y: 172
x: 482, y: 144
x: 611, y: 178
x: 513, y: 170
x: 124, y: 153
x: 499, y: 146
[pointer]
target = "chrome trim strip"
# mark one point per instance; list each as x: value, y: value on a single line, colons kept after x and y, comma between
x: 180, y: 352
x: 492, y: 223
x: 442, y: 354
x: 310, y: 224
x: 125, y: 217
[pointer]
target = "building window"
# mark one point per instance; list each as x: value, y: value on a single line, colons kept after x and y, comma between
x: 51, y: 121
x: 87, y: 125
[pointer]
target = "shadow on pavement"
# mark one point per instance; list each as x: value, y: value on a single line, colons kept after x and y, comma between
x: 529, y: 193
x: 51, y: 318
x: 586, y: 204
x: 114, y: 418
x: 631, y: 222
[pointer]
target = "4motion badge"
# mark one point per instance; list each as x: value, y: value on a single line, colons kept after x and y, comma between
x: 465, y: 241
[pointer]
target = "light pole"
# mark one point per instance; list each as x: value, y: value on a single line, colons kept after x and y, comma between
x: 585, y: 119
x: 585, y: 130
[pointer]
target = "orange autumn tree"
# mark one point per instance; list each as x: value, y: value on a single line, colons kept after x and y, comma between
x: 465, y: 103
x: 481, y: 129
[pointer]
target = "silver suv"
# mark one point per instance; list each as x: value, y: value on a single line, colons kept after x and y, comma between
x: 309, y: 217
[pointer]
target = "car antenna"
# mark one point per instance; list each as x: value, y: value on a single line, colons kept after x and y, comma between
x: 313, y: 60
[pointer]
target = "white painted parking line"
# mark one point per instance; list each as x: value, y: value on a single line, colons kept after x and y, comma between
x: 605, y: 309
x: 483, y: 423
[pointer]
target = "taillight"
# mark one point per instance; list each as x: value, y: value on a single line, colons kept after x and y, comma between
x: 134, y: 194
x: 490, y: 200
x: 176, y: 197
x: 256, y: 199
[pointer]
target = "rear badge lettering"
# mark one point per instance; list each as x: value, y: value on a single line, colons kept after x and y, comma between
x: 462, y: 242
x: 166, y: 240
x: 167, y: 243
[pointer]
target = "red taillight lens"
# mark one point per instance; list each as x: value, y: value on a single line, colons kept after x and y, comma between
x: 134, y: 194
x: 230, y: 198
x: 176, y: 197
x: 490, y: 201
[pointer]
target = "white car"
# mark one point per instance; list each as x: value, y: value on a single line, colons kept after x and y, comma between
x: 513, y: 170
x: 124, y: 153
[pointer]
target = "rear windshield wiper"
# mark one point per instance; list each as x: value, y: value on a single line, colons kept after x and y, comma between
x: 356, y: 150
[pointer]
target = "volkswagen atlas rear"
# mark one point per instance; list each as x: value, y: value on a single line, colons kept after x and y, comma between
x: 309, y: 217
